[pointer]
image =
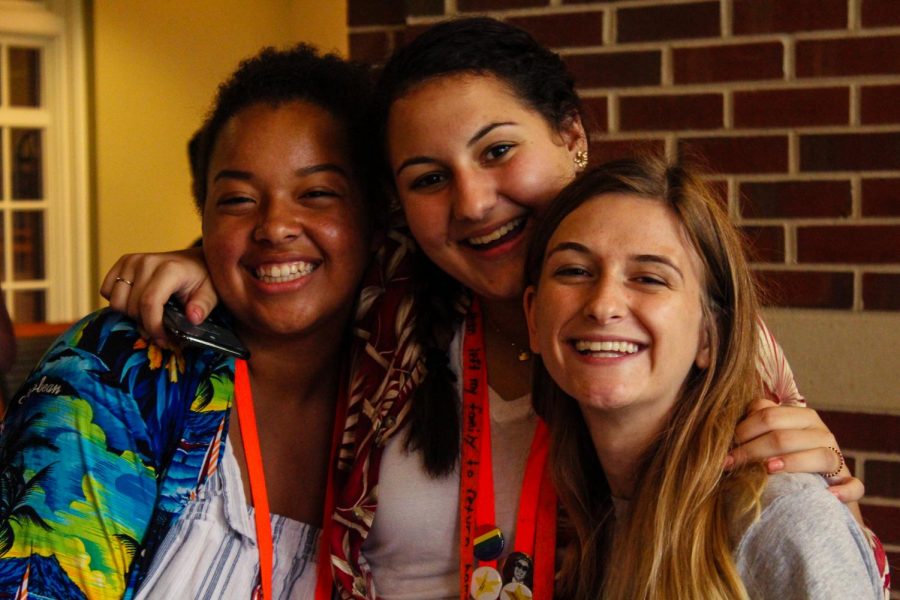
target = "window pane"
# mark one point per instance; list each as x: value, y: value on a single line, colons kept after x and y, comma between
x: 28, y: 245
x: 27, y: 161
x: 24, y: 77
x: 30, y: 306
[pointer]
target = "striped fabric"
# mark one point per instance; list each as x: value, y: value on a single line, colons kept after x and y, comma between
x: 210, y: 552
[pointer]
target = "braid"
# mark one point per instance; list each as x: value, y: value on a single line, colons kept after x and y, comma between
x: 434, y: 418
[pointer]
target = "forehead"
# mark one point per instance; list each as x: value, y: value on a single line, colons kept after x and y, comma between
x: 628, y: 224
x: 282, y: 129
x: 455, y: 103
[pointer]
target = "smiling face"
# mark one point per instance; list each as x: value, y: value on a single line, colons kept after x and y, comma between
x: 474, y: 166
x: 284, y: 220
x: 617, y: 315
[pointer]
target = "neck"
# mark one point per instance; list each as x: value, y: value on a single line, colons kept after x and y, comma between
x: 507, y: 318
x: 621, y: 438
x: 289, y: 370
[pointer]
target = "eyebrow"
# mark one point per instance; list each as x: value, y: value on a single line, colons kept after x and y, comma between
x: 640, y: 258
x: 419, y: 160
x: 302, y: 172
x: 656, y: 258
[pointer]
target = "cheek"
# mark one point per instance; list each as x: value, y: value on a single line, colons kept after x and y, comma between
x: 349, y: 237
x: 535, y: 182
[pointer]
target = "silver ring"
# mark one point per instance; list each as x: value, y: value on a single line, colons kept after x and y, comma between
x: 125, y: 281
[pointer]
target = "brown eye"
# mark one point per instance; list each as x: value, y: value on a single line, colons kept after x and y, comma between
x: 426, y: 181
x: 495, y: 152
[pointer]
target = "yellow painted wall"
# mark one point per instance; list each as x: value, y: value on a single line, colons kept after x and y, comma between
x: 156, y: 65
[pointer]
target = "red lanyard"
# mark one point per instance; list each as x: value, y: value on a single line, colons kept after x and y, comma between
x: 253, y: 457
x: 536, y: 517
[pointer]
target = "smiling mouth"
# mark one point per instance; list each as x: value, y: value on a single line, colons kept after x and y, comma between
x: 498, y: 236
x: 605, y: 349
x: 284, y: 272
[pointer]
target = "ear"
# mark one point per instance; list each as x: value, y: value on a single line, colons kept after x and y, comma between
x: 703, y: 349
x: 528, y: 303
x: 573, y: 134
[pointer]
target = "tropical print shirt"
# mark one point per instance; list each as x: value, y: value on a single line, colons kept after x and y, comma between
x: 100, y: 450
x: 111, y: 437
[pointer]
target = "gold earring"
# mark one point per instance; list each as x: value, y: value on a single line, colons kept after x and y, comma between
x: 581, y: 159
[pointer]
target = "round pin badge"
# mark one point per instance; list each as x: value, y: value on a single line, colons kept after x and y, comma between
x: 489, y: 542
x: 515, y: 591
x: 518, y: 568
x: 486, y: 584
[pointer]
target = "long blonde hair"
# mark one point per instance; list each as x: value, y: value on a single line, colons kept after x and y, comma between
x: 675, y: 541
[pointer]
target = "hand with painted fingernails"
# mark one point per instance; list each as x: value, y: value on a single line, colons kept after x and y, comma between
x: 794, y: 439
x: 140, y: 284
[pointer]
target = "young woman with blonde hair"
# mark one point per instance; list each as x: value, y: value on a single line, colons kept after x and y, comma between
x: 643, y: 311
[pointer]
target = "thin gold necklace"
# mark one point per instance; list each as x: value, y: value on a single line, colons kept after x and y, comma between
x: 522, y: 355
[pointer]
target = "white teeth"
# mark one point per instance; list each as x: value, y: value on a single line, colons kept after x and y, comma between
x: 606, y: 347
x: 496, y: 234
x: 284, y: 272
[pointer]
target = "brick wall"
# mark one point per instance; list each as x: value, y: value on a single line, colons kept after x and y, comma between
x: 795, y: 106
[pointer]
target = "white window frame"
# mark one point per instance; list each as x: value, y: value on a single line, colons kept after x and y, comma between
x: 57, y: 27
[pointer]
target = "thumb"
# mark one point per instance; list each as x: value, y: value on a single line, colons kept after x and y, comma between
x: 201, y: 302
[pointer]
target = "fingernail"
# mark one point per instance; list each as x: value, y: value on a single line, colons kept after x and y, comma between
x: 729, y: 462
x: 773, y: 465
x: 196, y: 315
x: 835, y: 493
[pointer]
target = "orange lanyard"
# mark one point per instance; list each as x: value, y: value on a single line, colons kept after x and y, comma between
x: 262, y: 517
x: 536, y: 516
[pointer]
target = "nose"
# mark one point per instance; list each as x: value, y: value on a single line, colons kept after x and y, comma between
x: 474, y: 196
x: 606, y: 300
x: 277, y: 222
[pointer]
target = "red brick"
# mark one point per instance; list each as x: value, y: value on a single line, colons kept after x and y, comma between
x: 752, y: 154
x: 792, y: 108
x: 766, y: 244
x: 880, y: 104
x: 595, y: 115
x: 409, y: 33
x: 370, y: 47
x: 668, y: 22
x: 695, y: 111
x: 384, y: 12
x: 881, y: 291
x: 880, y: 13
x: 602, y: 151
x: 565, y: 29
x: 863, y: 431
x: 883, y: 478
x: 881, y: 197
x: 849, y: 244
x: 486, y: 5
x: 848, y: 56
x: 885, y: 521
x: 850, y: 152
x: 616, y: 69
x: 744, y: 62
x: 807, y: 289
x: 787, y: 16
x: 795, y: 199
x: 425, y: 7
